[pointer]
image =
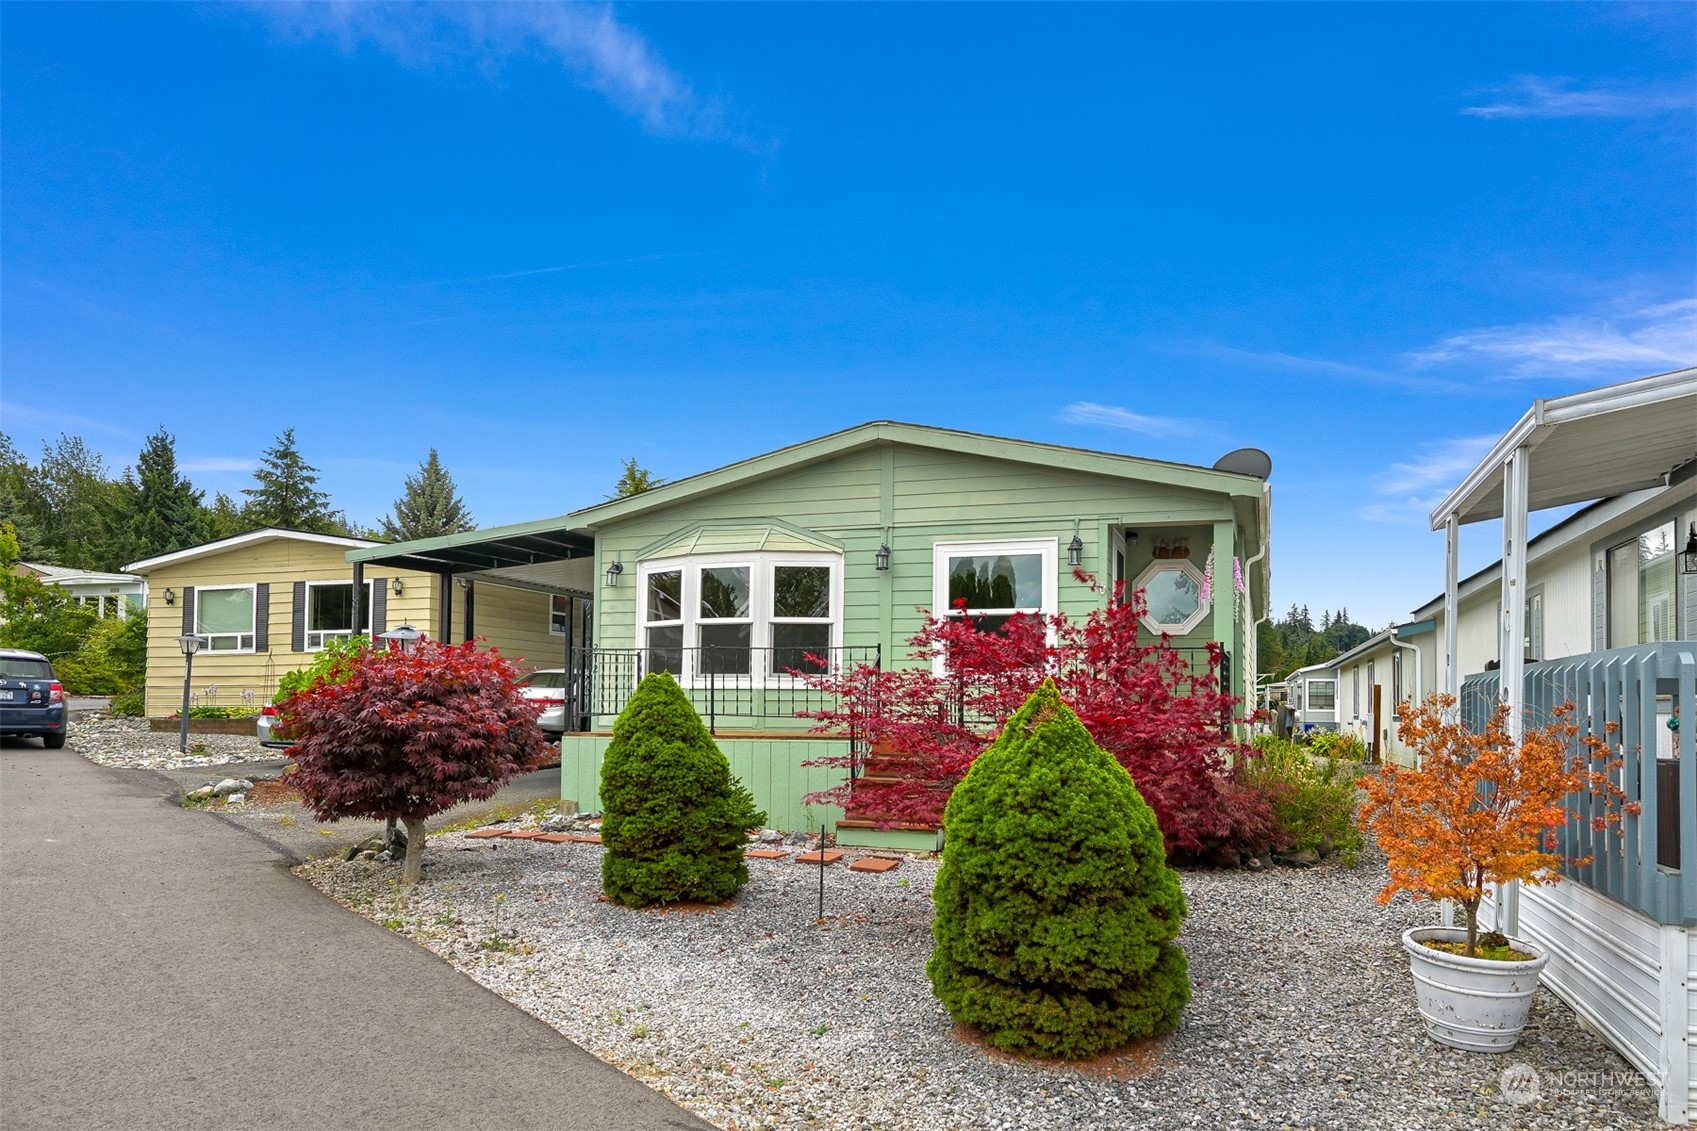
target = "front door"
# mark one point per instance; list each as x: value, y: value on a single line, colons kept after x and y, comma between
x: 1375, y: 723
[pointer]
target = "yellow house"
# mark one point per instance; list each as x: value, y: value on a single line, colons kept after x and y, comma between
x: 265, y: 601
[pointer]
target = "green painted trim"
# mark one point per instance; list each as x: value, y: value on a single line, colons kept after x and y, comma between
x: 1050, y: 456
x: 658, y: 547
x: 904, y: 840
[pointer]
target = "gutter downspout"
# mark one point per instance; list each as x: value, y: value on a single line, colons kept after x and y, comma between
x: 1415, y: 648
x: 1252, y: 645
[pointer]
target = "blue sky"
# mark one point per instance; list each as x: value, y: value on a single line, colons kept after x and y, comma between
x: 543, y: 239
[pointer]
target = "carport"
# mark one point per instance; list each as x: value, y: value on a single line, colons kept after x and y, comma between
x: 546, y: 556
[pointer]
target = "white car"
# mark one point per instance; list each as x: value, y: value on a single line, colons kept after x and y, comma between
x: 547, y: 686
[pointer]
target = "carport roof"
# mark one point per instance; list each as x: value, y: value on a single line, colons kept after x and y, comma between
x: 497, y: 547
x: 1590, y: 445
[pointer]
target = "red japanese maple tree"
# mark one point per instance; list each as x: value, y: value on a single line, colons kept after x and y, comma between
x: 407, y: 736
x: 1138, y: 697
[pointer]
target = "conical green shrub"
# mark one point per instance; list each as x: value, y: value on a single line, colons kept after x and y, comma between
x: 674, y: 820
x: 1056, y: 910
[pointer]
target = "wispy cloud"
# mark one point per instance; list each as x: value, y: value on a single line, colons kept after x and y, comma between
x: 1111, y: 416
x: 1532, y: 96
x: 1642, y: 340
x: 1325, y: 367
x: 586, y: 41
x: 1409, y: 490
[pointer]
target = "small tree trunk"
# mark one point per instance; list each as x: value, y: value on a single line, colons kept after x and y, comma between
x: 414, y: 867
x: 1471, y: 907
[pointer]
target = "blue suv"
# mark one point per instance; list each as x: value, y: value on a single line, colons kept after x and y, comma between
x: 32, y: 701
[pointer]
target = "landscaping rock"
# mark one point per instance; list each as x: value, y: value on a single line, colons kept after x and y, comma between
x: 237, y: 798
x: 1301, y: 858
x: 229, y: 786
x: 204, y: 793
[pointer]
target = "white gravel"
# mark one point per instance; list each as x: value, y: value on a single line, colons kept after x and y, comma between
x: 112, y: 740
x: 756, y: 1015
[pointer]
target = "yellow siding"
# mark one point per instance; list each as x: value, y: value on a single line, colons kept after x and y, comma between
x: 279, y: 562
x: 514, y: 622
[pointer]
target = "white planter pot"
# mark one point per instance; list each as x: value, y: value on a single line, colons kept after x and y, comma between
x: 1471, y: 1003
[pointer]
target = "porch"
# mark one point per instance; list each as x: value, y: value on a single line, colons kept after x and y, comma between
x: 1619, y: 928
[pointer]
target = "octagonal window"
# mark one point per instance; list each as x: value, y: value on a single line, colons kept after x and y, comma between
x: 1172, y: 592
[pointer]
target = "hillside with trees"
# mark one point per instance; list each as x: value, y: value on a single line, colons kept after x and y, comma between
x: 1296, y: 642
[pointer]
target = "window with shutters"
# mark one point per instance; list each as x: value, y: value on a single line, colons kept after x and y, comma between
x: 329, y: 612
x: 224, y: 615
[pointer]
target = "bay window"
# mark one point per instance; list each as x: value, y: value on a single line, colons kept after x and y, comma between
x: 747, y: 616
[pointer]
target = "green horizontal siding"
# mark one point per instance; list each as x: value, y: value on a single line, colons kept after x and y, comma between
x: 771, y: 768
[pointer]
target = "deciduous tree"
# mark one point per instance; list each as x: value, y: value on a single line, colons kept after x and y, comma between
x: 409, y: 736
x: 1483, y: 808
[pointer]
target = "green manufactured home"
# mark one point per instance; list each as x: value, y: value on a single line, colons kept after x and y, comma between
x: 833, y: 551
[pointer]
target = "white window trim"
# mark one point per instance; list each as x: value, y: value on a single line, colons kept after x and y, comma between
x: 1308, y: 694
x: 760, y: 566
x: 941, y: 552
x: 1189, y: 624
x: 251, y: 635
x: 315, y: 641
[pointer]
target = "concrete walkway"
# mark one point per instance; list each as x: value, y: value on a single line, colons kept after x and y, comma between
x: 159, y: 969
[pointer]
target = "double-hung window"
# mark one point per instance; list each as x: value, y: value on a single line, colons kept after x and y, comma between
x: 330, y: 612
x: 223, y: 615
x: 757, y: 616
x: 991, y: 582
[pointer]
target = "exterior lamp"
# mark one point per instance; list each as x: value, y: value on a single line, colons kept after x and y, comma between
x: 190, y: 645
x: 403, y: 637
x: 170, y: 597
x: 397, y: 588
x: 1075, y: 552
x: 1690, y: 554
x: 881, y: 559
x: 613, y: 570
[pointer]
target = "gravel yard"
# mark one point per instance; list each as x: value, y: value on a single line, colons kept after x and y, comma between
x: 129, y: 743
x: 755, y: 1015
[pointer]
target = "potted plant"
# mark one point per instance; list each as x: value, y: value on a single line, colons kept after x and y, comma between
x: 1479, y: 809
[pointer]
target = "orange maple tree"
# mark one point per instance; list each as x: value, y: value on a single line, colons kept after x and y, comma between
x: 1481, y: 808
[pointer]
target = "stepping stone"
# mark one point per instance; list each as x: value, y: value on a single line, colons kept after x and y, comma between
x: 585, y: 838
x: 485, y: 834
x: 553, y: 838
x: 829, y: 856
x: 875, y: 864
x: 765, y: 854
x: 523, y: 834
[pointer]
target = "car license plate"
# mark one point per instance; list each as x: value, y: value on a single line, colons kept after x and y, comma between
x: 7, y: 696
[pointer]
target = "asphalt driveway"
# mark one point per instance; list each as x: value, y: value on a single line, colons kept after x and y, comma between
x: 160, y: 969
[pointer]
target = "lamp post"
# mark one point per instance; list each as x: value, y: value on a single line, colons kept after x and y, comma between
x: 403, y: 638
x: 190, y: 645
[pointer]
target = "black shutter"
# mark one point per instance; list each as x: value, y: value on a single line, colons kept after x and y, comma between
x: 297, y: 623
x: 379, y: 604
x: 262, y: 617
x: 188, y: 610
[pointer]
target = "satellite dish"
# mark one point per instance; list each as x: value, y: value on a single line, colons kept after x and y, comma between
x: 1246, y: 461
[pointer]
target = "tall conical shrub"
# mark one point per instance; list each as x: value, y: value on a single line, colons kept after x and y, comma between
x: 674, y: 819
x: 1056, y: 911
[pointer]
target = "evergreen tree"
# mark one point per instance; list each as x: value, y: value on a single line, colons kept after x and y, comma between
x: 20, y: 504
x: 286, y: 494
x: 674, y: 818
x: 170, y: 515
x: 429, y: 507
x: 1056, y: 911
x: 86, y: 519
x: 224, y: 519
x: 635, y: 480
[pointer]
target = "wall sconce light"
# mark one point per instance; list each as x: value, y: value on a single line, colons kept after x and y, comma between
x: 170, y: 597
x: 397, y: 588
x: 1691, y: 550
x: 1075, y: 548
x: 1131, y: 538
x: 613, y: 570
x: 462, y: 582
x: 881, y: 559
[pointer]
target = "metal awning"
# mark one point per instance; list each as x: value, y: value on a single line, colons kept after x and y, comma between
x: 1584, y: 446
x: 479, y: 551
